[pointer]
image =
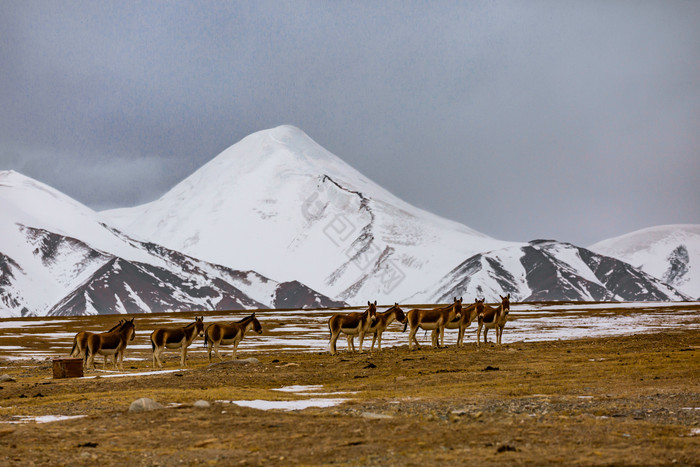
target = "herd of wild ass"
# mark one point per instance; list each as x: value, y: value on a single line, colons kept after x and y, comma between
x: 113, y: 343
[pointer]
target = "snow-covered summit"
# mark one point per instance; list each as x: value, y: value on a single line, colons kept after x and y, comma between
x: 280, y: 203
x: 670, y: 253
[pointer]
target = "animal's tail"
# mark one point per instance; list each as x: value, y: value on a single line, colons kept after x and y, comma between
x: 405, y: 325
x: 87, y: 352
x: 153, y: 344
x: 206, y: 338
x: 75, y: 345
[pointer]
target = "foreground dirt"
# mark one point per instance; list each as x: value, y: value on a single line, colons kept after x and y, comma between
x: 631, y: 400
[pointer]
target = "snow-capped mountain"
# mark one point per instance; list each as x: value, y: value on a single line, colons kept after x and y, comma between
x: 279, y: 203
x: 56, y: 258
x: 547, y: 270
x: 670, y: 253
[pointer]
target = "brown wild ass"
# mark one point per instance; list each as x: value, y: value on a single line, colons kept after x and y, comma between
x: 384, y: 319
x: 173, y: 338
x: 227, y: 334
x: 434, y: 318
x: 469, y: 314
x: 81, y: 338
x: 493, y: 318
x: 110, y: 343
x: 352, y: 324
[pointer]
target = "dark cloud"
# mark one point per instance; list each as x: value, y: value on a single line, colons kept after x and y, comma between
x: 568, y: 120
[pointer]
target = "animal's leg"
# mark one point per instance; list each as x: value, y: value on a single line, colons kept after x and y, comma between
x: 334, y: 339
x: 486, y: 331
x: 216, y: 351
x: 460, y: 336
x: 442, y: 336
x: 74, y: 351
x: 478, y: 335
x: 235, y: 348
x: 183, y: 361
x: 374, y: 338
x: 412, y: 338
x: 209, y: 346
x: 379, y: 342
x: 362, y: 338
x: 434, y: 338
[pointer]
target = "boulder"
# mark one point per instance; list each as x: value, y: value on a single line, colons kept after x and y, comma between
x: 144, y: 404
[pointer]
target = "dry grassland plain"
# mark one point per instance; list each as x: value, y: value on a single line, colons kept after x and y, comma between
x: 617, y: 400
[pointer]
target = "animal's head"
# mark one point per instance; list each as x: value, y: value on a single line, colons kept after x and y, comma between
x: 257, y: 327
x: 199, y: 326
x: 478, y: 308
x: 457, y: 307
x: 505, y: 301
x: 128, y: 328
x: 372, y: 308
x: 400, y: 316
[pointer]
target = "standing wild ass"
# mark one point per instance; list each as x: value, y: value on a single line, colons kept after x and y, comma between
x: 110, y: 343
x: 434, y: 318
x: 352, y: 324
x: 81, y: 338
x: 227, y: 334
x: 384, y: 319
x: 469, y: 314
x: 172, y: 338
x: 494, y: 318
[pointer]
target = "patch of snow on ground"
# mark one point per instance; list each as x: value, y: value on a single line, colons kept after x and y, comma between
x: 43, y: 418
x: 288, y: 405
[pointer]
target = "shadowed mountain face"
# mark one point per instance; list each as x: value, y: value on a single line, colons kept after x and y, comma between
x: 549, y: 271
x: 99, y: 283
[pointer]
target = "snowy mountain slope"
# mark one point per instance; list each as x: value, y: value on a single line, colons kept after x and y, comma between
x: 547, y: 270
x: 279, y: 203
x: 670, y: 253
x: 49, y: 264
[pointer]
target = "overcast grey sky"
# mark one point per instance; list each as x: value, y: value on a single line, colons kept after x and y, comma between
x: 575, y: 121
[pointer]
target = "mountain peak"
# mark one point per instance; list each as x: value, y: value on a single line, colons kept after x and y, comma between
x: 276, y: 199
x: 13, y: 178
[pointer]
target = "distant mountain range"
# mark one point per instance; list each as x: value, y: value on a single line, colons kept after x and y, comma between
x: 670, y: 253
x: 278, y: 221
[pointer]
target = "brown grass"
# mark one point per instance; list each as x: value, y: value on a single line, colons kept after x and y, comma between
x: 624, y: 400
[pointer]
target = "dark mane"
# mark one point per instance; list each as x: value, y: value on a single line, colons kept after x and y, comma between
x: 247, y: 318
x: 116, y: 326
